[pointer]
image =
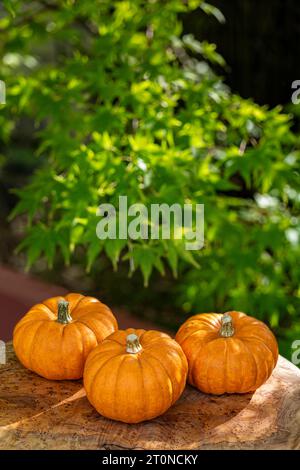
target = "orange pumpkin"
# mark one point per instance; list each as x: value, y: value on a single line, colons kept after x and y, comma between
x: 135, y: 375
x: 230, y: 353
x: 55, y: 337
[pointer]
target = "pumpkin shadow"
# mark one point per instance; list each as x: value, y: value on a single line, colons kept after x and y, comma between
x: 24, y: 394
x: 191, y: 421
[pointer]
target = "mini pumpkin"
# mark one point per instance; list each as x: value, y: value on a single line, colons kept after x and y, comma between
x: 55, y: 337
x: 230, y: 353
x: 135, y: 375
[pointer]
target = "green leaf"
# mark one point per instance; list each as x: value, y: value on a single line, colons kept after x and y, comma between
x: 10, y: 7
x: 113, y: 250
x: 214, y: 11
x: 172, y: 257
x: 94, y: 250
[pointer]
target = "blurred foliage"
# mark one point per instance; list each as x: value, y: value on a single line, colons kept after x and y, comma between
x: 123, y: 103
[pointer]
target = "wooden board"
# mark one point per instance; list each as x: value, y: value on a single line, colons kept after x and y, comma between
x: 38, y: 414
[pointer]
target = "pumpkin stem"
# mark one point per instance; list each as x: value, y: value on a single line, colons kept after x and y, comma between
x: 133, y: 344
x: 63, y: 315
x: 227, y: 329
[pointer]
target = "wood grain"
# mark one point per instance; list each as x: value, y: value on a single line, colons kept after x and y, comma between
x: 38, y: 414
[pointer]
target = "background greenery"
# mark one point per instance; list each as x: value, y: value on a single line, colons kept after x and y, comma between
x: 107, y: 99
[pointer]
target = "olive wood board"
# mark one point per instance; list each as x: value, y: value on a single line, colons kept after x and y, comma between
x: 36, y: 413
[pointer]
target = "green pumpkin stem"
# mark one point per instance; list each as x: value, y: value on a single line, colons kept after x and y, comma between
x: 133, y: 344
x: 227, y: 329
x: 63, y: 315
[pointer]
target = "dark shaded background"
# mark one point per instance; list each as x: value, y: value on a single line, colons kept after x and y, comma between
x: 260, y: 43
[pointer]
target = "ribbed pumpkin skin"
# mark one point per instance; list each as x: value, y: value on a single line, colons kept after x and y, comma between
x: 217, y: 365
x: 58, y: 351
x: 135, y: 387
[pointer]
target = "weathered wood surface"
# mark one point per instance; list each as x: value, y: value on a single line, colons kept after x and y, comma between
x: 38, y: 414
